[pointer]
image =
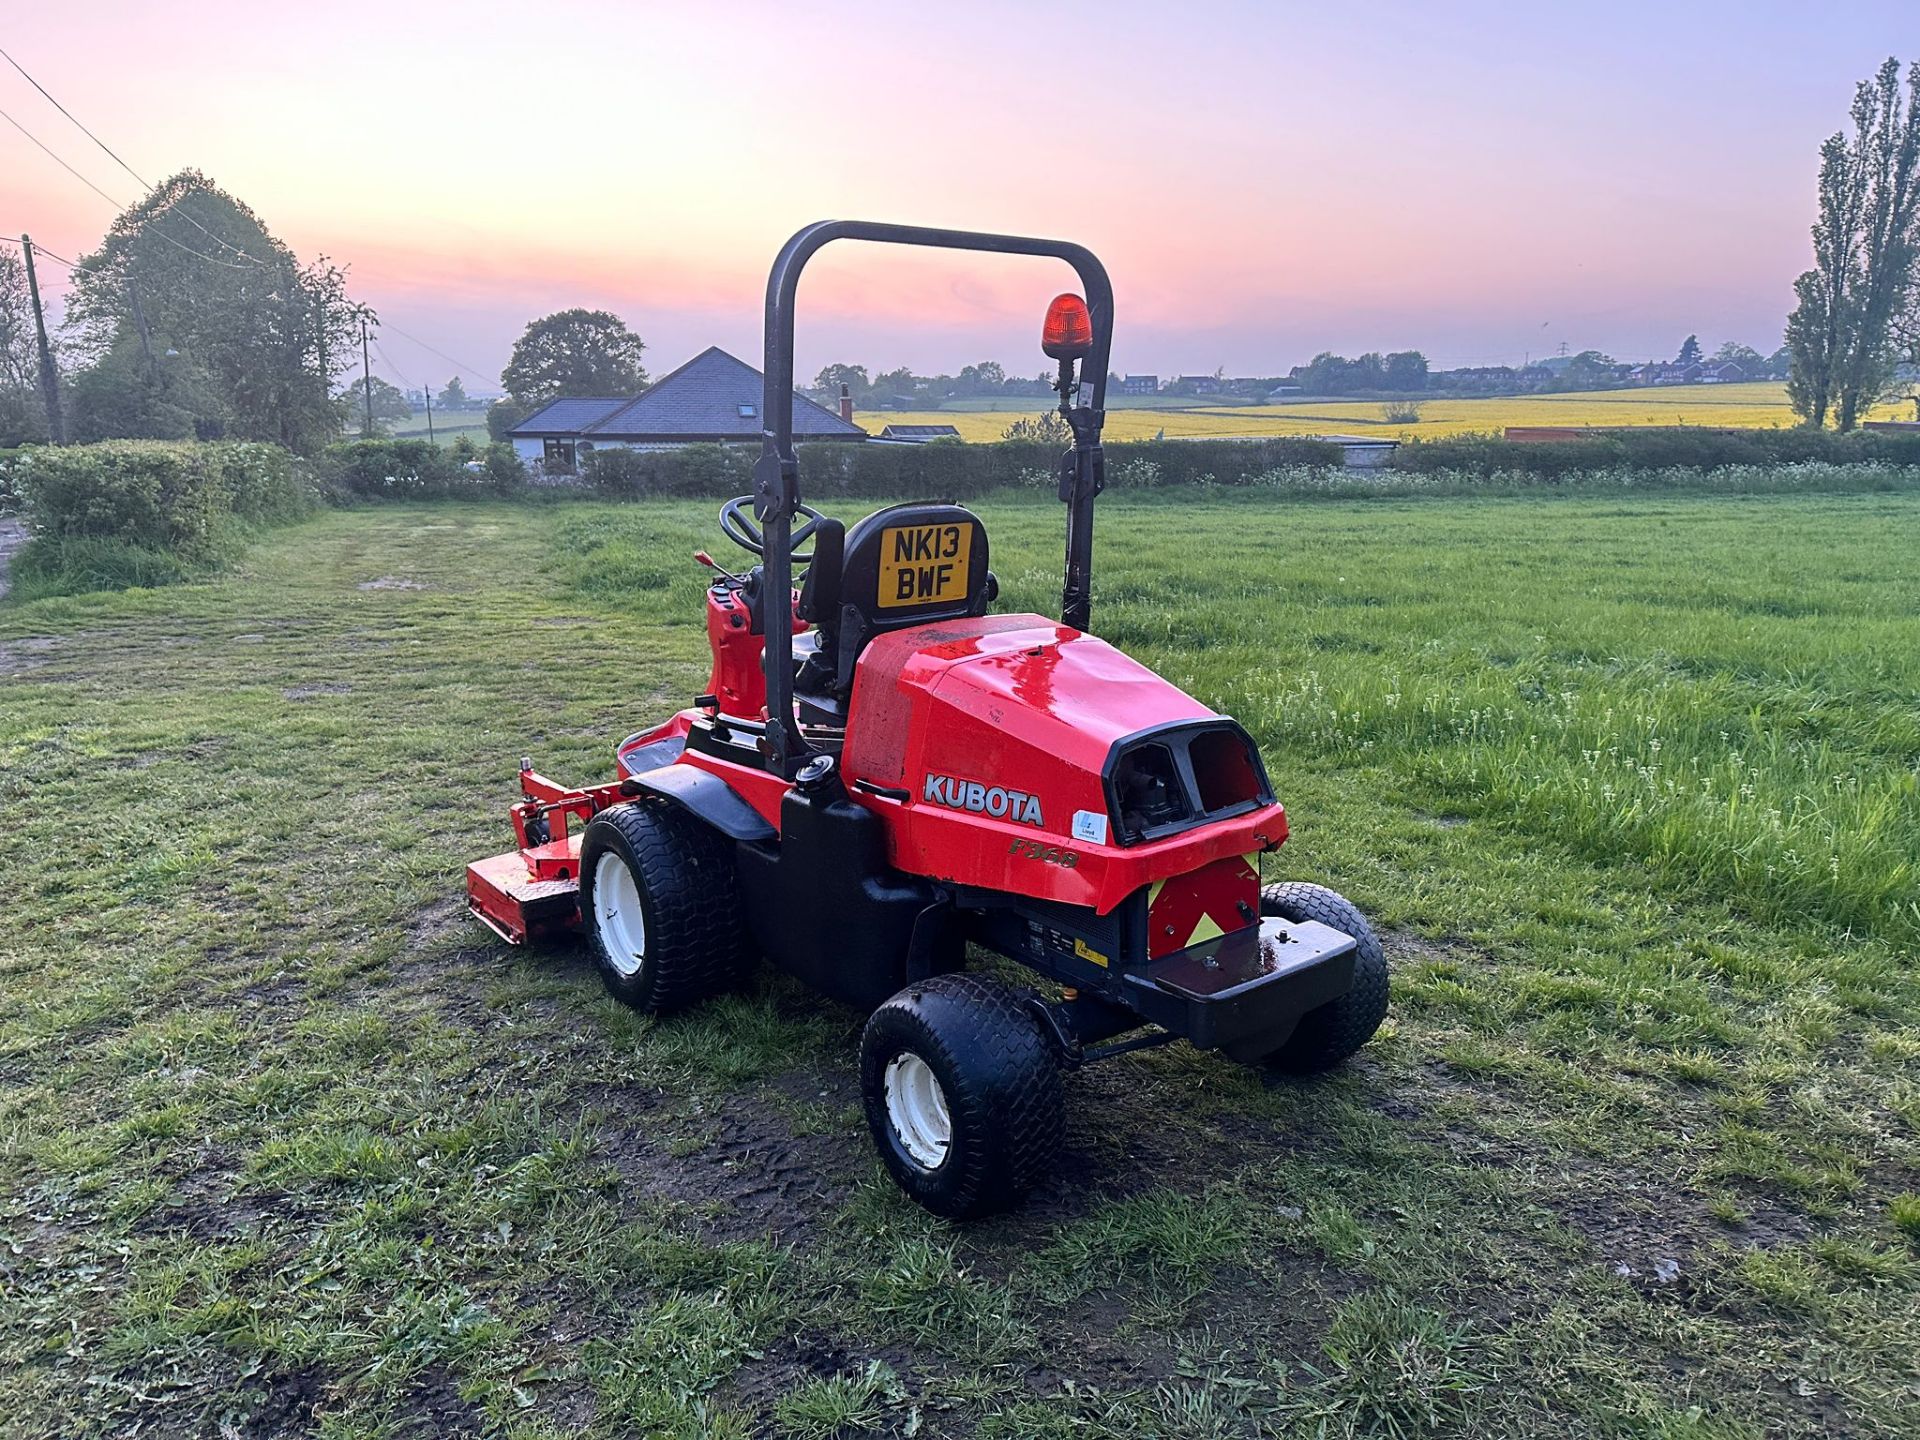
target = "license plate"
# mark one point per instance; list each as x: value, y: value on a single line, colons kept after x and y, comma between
x: 924, y: 564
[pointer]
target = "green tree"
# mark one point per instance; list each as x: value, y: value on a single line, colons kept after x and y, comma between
x: 1589, y: 370
x: 826, y: 385
x: 453, y: 395
x: 388, y: 404
x: 127, y: 394
x: 1406, y: 370
x: 984, y: 378
x: 575, y: 352
x: 1750, y: 360
x: 199, y: 273
x: 1865, y: 244
x: 503, y: 415
x: 1689, y: 352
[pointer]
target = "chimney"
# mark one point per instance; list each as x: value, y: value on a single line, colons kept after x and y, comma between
x: 846, y: 405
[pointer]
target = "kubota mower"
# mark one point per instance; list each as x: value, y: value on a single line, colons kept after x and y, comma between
x: 883, y: 773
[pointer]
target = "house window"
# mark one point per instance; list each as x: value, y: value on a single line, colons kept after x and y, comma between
x: 747, y: 411
x: 559, y: 454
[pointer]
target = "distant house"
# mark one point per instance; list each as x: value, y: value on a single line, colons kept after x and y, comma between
x: 1139, y: 384
x: 1680, y: 374
x: 919, y: 434
x: 714, y: 398
x: 1198, y: 384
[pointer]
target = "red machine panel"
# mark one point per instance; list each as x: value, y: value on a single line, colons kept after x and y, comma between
x: 992, y: 736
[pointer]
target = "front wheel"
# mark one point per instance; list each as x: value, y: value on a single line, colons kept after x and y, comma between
x: 660, y: 903
x: 962, y: 1094
x: 1334, y: 1031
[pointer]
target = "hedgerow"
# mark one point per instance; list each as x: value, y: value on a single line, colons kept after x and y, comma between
x: 163, y: 495
x: 946, y: 469
x: 1655, y: 448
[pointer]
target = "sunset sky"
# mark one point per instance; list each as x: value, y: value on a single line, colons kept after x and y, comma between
x: 1479, y: 181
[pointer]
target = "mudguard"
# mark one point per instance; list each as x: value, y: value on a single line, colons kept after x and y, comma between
x: 707, y: 797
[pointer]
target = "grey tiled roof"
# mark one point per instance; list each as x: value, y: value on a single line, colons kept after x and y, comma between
x: 568, y: 416
x: 701, y: 400
x: 922, y: 432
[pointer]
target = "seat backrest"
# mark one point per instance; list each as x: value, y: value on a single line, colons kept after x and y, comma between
x: 907, y: 565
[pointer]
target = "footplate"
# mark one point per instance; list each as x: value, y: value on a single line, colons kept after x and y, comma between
x: 1251, y: 985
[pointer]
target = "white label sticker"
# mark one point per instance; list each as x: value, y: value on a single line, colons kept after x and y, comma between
x: 1091, y: 826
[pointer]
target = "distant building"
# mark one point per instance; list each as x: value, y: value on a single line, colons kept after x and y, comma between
x: 919, y: 434
x: 1284, y: 391
x: 713, y: 398
x: 1198, y: 384
x: 1139, y: 384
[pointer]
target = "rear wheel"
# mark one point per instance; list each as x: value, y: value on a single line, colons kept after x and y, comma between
x: 962, y: 1095
x: 1334, y: 1031
x: 660, y: 902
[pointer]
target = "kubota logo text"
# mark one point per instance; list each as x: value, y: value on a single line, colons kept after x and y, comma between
x: 994, y: 800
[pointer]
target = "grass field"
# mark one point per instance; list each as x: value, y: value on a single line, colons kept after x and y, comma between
x: 291, y: 1147
x: 471, y: 423
x: 1758, y: 404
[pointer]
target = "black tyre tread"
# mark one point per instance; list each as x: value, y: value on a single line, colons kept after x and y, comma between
x: 697, y: 940
x: 1335, y: 1031
x: 982, y: 1032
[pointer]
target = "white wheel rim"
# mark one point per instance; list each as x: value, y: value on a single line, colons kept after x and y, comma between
x: 617, y: 915
x: 917, y: 1111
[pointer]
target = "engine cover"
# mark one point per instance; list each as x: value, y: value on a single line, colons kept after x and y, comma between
x: 989, y: 742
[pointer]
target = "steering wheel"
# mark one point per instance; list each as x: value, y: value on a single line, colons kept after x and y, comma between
x: 739, y: 526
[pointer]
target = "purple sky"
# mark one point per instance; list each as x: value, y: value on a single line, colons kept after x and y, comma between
x: 1481, y: 181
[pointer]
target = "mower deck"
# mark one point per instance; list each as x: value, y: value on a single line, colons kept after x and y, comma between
x: 506, y: 894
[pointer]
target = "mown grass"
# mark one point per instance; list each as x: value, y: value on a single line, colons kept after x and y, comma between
x: 291, y: 1148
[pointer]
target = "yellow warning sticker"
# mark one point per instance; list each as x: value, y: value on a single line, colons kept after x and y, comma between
x: 924, y: 564
x: 1087, y: 952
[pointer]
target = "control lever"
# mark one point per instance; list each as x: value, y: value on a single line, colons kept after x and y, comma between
x: 714, y: 565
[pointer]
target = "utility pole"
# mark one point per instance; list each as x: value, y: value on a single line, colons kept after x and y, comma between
x: 49, y: 377
x: 146, y: 335
x: 366, y: 376
x: 426, y: 389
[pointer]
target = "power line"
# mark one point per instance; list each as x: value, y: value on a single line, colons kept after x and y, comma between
x: 387, y: 360
x: 474, y: 370
x: 70, y: 115
x: 158, y: 217
x: 144, y: 185
x: 61, y: 163
x: 38, y: 249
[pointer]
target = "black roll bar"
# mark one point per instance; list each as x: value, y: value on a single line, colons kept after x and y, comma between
x: 776, y: 477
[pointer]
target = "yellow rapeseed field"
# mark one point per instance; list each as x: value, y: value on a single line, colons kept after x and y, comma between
x: 1759, y: 404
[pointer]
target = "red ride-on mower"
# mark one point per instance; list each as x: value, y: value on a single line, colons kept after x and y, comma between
x: 882, y: 773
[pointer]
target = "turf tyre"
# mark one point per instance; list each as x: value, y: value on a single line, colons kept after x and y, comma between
x: 998, y: 1082
x: 691, y: 936
x: 1334, y: 1031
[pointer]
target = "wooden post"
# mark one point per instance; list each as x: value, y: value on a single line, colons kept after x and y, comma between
x: 49, y: 377
x: 366, y: 378
x: 426, y: 389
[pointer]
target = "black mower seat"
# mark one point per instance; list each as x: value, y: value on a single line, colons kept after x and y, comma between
x: 902, y: 566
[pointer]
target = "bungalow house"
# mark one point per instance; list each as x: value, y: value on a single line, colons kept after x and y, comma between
x: 712, y: 399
